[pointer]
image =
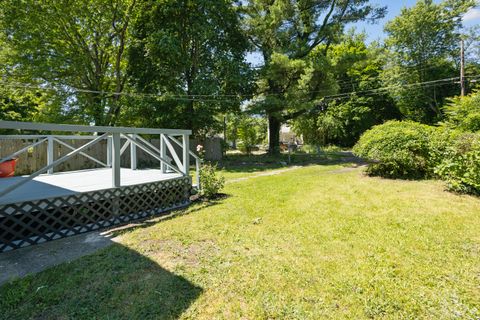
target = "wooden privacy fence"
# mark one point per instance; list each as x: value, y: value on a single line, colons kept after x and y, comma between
x: 36, y: 157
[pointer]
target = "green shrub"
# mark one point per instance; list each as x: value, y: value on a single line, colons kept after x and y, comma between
x: 441, y: 139
x: 331, y: 148
x: 459, y: 164
x: 463, y: 113
x: 396, y: 149
x: 251, y: 131
x: 210, y: 182
x: 310, y: 149
x: 412, y: 150
x: 315, y: 149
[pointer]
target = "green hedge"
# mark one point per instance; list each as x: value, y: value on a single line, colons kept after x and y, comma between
x: 460, y: 163
x: 396, y: 149
x: 410, y: 150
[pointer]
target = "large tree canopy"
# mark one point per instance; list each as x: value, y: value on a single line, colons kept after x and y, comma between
x: 71, y: 45
x: 341, y: 120
x: 182, y: 64
x: 423, y: 44
x: 188, y: 53
x: 291, y: 34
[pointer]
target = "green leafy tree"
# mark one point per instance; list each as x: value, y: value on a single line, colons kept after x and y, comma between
x: 251, y: 131
x: 71, y: 44
x: 463, y: 113
x: 232, y: 123
x: 17, y: 104
x: 294, y: 38
x: 423, y: 42
x: 188, y: 52
x: 341, y: 121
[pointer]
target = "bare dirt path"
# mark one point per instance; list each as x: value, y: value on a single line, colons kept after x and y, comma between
x: 280, y: 171
x: 264, y: 174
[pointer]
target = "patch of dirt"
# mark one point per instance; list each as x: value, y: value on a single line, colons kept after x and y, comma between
x: 355, y: 166
x: 171, y: 254
x: 264, y: 174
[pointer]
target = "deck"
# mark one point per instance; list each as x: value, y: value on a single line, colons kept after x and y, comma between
x: 74, y: 182
x: 46, y: 205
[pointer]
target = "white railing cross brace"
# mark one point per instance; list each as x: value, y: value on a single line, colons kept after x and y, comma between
x: 174, y: 154
x: 156, y: 156
x: 10, y: 156
x: 53, y: 164
x: 81, y: 153
x: 198, y: 161
x: 177, y: 162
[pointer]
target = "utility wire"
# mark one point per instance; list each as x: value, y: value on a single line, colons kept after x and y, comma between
x: 238, y: 96
x: 129, y: 94
x: 375, y: 93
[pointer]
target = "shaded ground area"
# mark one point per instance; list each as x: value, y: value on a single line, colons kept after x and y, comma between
x: 318, y: 242
x: 32, y: 259
x: 238, y: 165
x: 115, y: 283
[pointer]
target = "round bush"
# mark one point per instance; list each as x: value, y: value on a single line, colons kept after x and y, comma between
x: 396, y: 149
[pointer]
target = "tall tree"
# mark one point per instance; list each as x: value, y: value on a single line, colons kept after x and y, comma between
x: 341, y: 120
x: 293, y: 37
x: 71, y: 44
x: 424, y: 46
x: 18, y: 103
x: 191, y: 54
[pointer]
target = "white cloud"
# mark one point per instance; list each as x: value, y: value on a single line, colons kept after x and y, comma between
x: 471, y: 15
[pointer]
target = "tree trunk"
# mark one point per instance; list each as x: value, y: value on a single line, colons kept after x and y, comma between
x: 273, y: 135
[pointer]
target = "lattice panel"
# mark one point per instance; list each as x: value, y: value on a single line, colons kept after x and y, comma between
x: 32, y: 222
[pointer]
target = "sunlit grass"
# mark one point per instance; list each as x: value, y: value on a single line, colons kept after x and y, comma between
x: 316, y: 242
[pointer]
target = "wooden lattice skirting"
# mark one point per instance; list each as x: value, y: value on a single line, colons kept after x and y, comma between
x: 32, y: 222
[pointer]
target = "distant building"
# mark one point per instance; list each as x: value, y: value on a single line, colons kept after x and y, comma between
x: 287, y: 135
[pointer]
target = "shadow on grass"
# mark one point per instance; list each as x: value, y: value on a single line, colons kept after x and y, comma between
x: 258, y: 163
x: 195, y: 206
x: 114, y: 283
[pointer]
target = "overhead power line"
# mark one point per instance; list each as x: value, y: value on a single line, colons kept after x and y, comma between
x: 110, y: 93
x: 235, y: 97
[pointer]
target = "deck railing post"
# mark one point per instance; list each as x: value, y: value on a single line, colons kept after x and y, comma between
x: 109, y: 151
x: 163, y: 154
x: 50, y: 153
x: 186, y: 154
x: 116, y: 146
x: 133, y: 154
x: 197, y: 172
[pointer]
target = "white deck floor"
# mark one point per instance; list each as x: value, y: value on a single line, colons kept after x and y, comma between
x: 72, y: 182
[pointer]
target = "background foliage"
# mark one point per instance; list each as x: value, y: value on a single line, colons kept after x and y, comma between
x: 183, y: 64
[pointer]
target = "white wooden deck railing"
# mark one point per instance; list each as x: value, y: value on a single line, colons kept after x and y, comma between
x: 114, y: 136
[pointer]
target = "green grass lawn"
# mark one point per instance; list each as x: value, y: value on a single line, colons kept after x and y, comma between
x: 316, y: 242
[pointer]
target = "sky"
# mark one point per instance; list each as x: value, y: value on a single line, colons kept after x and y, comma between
x: 375, y: 31
x: 394, y: 7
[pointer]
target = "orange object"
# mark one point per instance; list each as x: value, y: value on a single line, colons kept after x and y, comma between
x: 7, y: 168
